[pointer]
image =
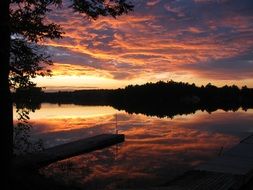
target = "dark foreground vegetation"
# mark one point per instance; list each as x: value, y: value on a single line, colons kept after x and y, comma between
x: 158, y: 99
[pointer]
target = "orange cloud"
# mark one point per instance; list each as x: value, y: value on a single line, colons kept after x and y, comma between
x: 159, y: 39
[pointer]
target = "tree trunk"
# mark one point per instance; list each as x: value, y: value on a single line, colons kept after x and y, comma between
x: 6, y: 114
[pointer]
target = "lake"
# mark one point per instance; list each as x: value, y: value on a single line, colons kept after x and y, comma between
x: 155, y: 150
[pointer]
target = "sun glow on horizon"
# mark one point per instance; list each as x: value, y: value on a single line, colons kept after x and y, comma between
x: 68, y: 82
x: 75, y: 82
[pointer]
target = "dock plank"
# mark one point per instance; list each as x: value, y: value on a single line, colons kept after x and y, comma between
x: 60, y: 152
x: 248, y: 140
x: 242, y: 150
x: 228, y: 164
x: 230, y: 171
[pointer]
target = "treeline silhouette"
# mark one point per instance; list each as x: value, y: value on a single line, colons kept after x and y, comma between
x: 162, y: 99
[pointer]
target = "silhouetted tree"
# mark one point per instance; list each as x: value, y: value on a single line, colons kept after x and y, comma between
x: 22, y: 26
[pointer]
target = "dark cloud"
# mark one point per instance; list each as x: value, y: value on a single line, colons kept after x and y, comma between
x: 238, y: 67
x: 211, y: 39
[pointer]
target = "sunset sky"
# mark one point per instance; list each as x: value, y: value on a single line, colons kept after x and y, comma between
x: 196, y: 41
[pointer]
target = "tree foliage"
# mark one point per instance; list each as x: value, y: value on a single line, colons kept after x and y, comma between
x: 30, y: 26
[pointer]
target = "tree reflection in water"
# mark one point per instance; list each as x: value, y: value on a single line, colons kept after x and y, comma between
x: 22, y: 141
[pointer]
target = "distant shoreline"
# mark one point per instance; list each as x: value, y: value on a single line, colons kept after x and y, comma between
x: 160, y: 99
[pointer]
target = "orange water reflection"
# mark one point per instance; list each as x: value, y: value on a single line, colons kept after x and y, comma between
x: 155, y: 149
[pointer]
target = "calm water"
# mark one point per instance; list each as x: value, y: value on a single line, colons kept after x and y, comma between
x: 155, y: 150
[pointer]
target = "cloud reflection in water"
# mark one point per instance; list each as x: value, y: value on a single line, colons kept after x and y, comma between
x: 155, y: 149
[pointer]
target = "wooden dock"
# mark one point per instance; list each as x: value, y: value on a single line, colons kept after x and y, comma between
x: 35, y: 161
x: 230, y: 171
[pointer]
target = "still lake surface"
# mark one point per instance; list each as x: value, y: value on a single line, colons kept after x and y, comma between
x: 155, y: 150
